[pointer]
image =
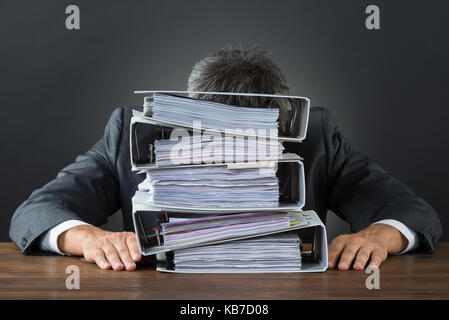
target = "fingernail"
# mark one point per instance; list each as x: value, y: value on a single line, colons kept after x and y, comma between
x: 373, y: 266
x: 331, y: 264
x: 135, y: 257
x: 343, y: 265
x: 105, y: 265
x: 130, y: 265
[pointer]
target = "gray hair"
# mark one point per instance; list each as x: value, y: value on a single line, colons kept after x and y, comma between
x: 240, y: 71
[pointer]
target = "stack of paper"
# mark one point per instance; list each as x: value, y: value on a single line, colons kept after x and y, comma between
x: 212, y: 115
x: 212, y: 187
x: 272, y: 253
x: 182, y: 232
x: 221, y: 167
x: 195, y: 150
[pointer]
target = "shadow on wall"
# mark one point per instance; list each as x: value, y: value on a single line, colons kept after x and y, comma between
x: 334, y: 226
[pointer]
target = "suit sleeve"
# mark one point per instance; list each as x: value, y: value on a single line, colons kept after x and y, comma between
x: 85, y: 190
x: 361, y: 192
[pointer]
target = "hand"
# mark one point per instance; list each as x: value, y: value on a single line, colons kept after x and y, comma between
x: 106, y: 249
x: 372, y: 244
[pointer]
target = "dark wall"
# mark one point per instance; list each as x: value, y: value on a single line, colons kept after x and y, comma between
x: 388, y: 88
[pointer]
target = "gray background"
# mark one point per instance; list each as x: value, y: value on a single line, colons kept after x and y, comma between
x: 388, y: 88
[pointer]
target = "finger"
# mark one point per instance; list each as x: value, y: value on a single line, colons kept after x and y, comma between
x: 348, y: 256
x: 377, y: 257
x: 131, y: 241
x: 123, y: 251
x: 362, y: 258
x: 96, y: 255
x: 335, y: 249
x: 112, y: 256
x: 100, y: 260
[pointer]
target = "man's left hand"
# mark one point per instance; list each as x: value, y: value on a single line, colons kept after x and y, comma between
x: 372, y: 245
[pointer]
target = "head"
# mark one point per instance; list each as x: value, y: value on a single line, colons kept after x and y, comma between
x: 240, y: 71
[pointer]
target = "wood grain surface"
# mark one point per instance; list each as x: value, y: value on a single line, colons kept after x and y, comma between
x: 410, y: 276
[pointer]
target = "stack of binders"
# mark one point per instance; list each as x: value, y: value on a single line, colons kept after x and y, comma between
x: 218, y: 194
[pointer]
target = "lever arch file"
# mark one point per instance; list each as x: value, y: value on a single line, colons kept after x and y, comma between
x: 147, y: 139
x: 290, y: 174
x: 148, y: 220
x: 297, y: 112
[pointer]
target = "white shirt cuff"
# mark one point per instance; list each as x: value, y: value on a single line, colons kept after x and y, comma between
x: 49, y: 242
x: 408, y: 233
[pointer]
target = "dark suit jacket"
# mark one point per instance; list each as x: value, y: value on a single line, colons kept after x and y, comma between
x: 337, y: 178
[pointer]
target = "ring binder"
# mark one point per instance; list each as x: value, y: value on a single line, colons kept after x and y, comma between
x: 316, y: 262
x: 298, y: 116
x: 290, y: 173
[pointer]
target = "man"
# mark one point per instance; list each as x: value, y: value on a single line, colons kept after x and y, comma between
x: 386, y: 216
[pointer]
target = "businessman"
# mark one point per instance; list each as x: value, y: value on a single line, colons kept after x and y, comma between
x: 386, y: 217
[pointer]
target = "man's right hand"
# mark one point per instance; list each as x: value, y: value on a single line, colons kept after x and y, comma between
x: 107, y: 249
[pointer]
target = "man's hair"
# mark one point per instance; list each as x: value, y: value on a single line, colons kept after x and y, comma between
x: 237, y: 70
x: 240, y: 71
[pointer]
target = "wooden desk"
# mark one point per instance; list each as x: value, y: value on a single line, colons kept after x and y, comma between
x: 43, y: 277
